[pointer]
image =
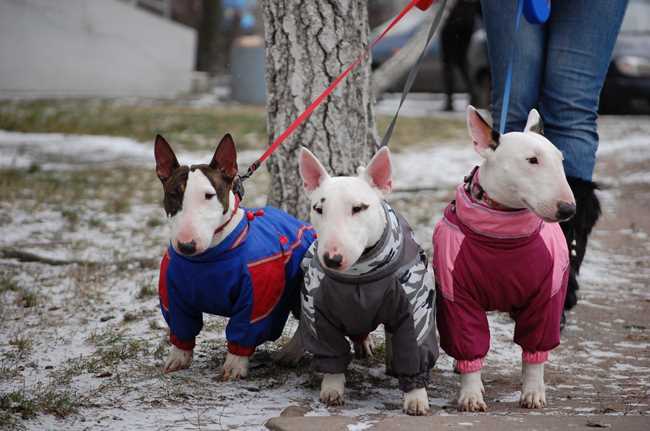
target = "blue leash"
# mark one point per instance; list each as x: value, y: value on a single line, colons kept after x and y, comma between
x: 508, y: 84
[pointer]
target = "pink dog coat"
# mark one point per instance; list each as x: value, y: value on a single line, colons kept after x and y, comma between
x: 511, y: 261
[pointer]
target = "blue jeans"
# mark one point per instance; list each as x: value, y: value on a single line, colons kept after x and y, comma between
x: 559, y: 68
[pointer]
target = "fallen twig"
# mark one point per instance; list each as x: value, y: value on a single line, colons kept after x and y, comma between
x: 418, y: 189
x: 26, y: 256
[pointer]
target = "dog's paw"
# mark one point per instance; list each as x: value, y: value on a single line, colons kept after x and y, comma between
x: 365, y: 349
x: 331, y: 389
x: 291, y: 353
x: 471, y: 401
x: 533, y: 391
x: 177, y: 360
x: 235, y: 367
x: 533, y: 398
x: 416, y: 402
x: 470, y: 398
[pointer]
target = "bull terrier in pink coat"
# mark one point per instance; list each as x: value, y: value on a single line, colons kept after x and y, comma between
x: 499, y: 247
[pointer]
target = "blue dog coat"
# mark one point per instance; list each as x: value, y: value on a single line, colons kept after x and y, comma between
x: 253, y: 277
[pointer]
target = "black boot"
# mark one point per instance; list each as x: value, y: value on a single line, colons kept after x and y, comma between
x: 576, y: 231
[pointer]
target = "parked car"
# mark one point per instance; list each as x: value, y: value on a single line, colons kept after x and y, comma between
x: 627, y: 87
x: 430, y: 78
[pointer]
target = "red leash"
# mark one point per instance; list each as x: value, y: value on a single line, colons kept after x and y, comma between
x: 421, y: 4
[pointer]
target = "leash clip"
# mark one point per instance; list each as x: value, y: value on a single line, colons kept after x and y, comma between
x: 238, y: 187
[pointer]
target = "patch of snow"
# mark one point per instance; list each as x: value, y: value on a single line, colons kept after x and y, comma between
x: 438, y: 167
x: 55, y: 151
x: 510, y: 398
x: 359, y: 426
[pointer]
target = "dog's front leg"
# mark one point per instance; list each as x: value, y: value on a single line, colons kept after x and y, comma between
x: 533, y: 392
x: 177, y: 359
x: 364, y: 348
x: 331, y: 389
x: 470, y: 398
x: 235, y: 367
x: 416, y: 402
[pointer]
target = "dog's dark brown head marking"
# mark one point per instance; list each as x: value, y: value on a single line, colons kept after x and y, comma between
x: 174, y: 188
x: 221, y: 172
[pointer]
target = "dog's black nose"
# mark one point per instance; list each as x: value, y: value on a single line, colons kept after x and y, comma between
x: 187, y: 247
x: 333, y: 261
x: 565, y: 210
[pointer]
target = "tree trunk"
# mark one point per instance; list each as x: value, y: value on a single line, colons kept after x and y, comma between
x: 210, y: 43
x: 308, y: 44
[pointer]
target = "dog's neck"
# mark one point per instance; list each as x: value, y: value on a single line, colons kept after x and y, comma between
x: 379, y: 234
x: 478, y: 193
x: 232, y: 219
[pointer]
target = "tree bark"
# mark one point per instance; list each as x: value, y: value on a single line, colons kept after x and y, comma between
x: 309, y: 43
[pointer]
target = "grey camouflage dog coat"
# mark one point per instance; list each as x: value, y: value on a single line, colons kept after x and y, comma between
x: 391, y: 284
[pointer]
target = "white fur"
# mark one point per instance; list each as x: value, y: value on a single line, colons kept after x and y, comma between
x: 470, y: 398
x: 416, y: 402
x: 177, y: 360
x: 340, y: 232
x: 509, y: 178
x: 331, y: 389
x: 200, y: 217
x: 533, y: 392
x: 235, y: 367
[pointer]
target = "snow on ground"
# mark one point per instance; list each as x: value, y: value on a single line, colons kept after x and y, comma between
x: 87, y: 341
x: 55, y: 151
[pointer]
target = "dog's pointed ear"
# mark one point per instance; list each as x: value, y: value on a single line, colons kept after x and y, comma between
x: 485, y: 139
x: 311, y: 170
x: 534, y: 123
x: 225, y: 157
x: 166, y: 161
x: 379, y: 172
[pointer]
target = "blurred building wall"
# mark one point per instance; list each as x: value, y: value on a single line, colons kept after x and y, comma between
x: 91, y: 48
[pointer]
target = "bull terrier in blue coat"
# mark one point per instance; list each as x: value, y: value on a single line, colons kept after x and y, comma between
x: 225, y: 260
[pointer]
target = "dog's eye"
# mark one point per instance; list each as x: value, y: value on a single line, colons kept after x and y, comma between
x: 358, y: 208
x: 318, y: 209
x: 209, y: 196
x: 533, y: 160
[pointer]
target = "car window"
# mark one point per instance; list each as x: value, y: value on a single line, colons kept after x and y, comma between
x: 637, y: 17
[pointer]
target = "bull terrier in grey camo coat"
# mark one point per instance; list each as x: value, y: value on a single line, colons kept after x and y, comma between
x: 365, y: 270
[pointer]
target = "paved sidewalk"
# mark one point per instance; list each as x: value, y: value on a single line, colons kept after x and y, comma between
x: 462, y: 422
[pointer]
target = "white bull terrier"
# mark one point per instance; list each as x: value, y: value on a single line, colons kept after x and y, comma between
x: 499, y: 247
x: 364, y: 270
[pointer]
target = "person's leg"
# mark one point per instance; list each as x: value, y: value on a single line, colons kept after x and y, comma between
x: 447, y: 50
x: 528, y: 61
x: 448, y: 74
x: 581, y: 36
x: 464, y: 37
